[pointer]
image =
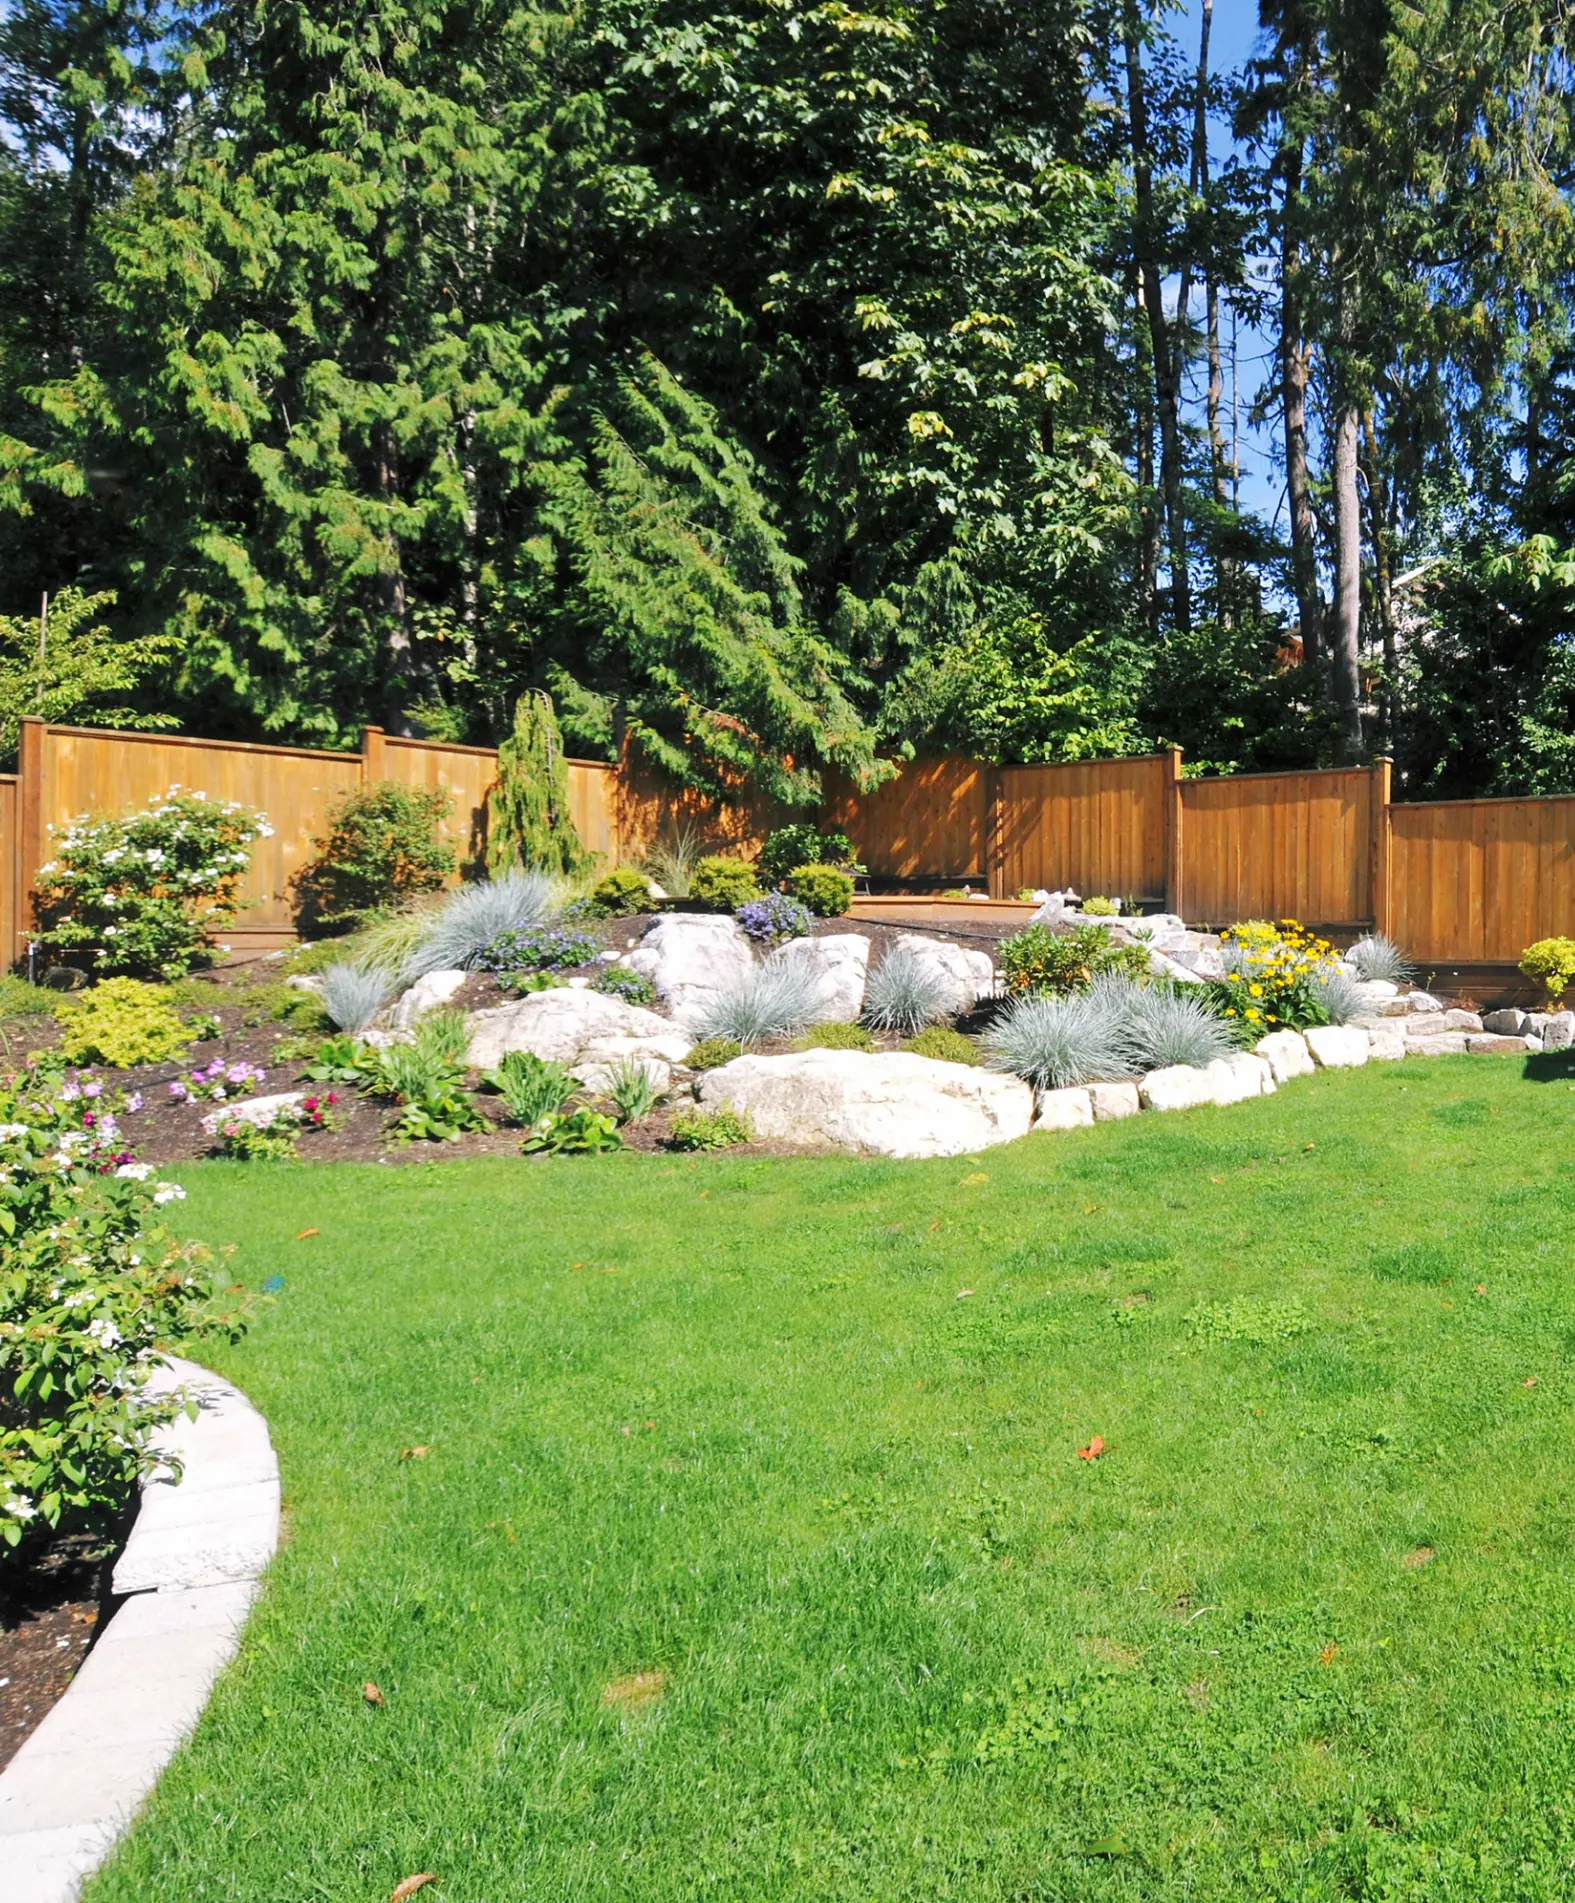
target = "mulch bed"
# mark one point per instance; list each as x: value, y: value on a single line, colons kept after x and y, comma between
x: 50, y: 1615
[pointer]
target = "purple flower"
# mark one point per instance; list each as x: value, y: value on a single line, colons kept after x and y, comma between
x: 179, y: 1091
x: 134, y: 1101
x: 93, y: 1089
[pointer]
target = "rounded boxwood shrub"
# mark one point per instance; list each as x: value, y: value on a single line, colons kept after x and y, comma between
x: 722, y: 883
x: 711, y: 1052
x: 837, y: 1037
x: 792, y: 846
x: 826, y: 890
x: 624, y: 891
x: 1551, y: 961
x: 942, y: 1042
x: 380, y: 850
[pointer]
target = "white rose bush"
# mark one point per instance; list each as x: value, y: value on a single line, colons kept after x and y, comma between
x: 92, y: 1288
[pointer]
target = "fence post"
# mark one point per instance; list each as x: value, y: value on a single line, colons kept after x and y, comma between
x: 372, y: 763
x: 1175, y: 885
x: 1378, y: 826
x: 994, y: 845
x: 30, y: 818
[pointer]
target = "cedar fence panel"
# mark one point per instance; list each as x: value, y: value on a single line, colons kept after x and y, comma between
x: 1098, y: 826
x: 10, y: 865
x: 1278, y: 845
x: 1479, y: 880
x: 931, y: 823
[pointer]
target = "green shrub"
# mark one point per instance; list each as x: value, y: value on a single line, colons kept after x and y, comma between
x: 723, y: 884
x: 623, y: 892
x: 139, y: 896
x: 826, y: 890
x: 380, y: 850
x: 19, y: 999
x: 950, y: 1046
x: 790, y: 847
x: 712, y: 1052
x: 618, y: 981
x: 529, y: 825
x: 837, y: 1037
x: 1551, y: 961
x: 710, y: 1129
x: 531, y: 1087
x: 1042, y: 962
x: 574, y: 1133
x: 120, y: 1022
x: 92, y: 1283
x: 1101, y: 908
x: 440, y: 1113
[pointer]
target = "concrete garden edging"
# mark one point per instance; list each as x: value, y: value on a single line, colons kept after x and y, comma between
x: 191, y: 1567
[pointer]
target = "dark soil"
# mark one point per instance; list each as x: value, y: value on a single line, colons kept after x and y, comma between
x: 50, y: 1614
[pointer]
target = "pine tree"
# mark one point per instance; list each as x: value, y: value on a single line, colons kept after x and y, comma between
x: 528, y: 821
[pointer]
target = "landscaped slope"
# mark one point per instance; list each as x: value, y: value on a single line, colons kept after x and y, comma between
x: 720, y: 1530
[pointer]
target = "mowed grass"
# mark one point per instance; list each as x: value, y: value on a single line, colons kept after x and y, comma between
x: 745, y: 1551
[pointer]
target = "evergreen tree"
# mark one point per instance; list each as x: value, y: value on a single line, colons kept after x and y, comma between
x: 528, y: 822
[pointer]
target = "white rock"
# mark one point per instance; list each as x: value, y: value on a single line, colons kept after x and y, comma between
x: 1377, y: 990
x: 1054, y: 907
x: 595, y: 1065
x: 970, y: 975
x: 1064, y: 1110
x: 1337, y: 1046
x: 1533, y: 1043
x: 838, y: 965
x: 1423, y: 1001
x: 891, y: 1104
x: 1287, y: 1055
x: 1241, y: 1076
x: 1436, y: 1023
x: 1176, y: 1087
x: 1507, y: 1022
x: 1446, y: 1044
x: 1386, y: 1044
x: 1492, y: 1044
x: 557, y: 1025
x: 1559, y: 1031
x: 258, y: 1110
x: 304, y: 981
x: 690, y: 957
x: 426, y: 994
x: 1112, y: 1101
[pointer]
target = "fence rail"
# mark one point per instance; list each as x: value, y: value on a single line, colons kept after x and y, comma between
x: 1469, y: 881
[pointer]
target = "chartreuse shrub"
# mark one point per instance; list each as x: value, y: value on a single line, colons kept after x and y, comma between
x: 90, y: 1284
x: 622, y: 892
x: 719, y: 1129
x: 836, y: 1037
x: 723, y: 883
x: 380, y: 850
x: 139, y: 896
x: 826, y: 890
x: 1042, y: 962
x: 712, y: 1052
x: 1551, y: 962
x: 1101, y: 908
x: 949, y: 1046
x: 790, y: 847
x: 120, y: 1022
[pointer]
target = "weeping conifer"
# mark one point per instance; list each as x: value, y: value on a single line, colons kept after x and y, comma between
x: 528, y: 823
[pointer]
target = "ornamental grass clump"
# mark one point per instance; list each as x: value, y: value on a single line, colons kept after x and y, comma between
x: 353, y: 994
x: 632, y: 1089
x: 905, y: 992
x: 1379, y: 957
x: 1337, y: 995
x: 457, y: 932
x: 1162, y: 1024
x: 92, y: 1286
x: 531, y: 1087
x: 771, y: 1000
x: 1054, y: 1042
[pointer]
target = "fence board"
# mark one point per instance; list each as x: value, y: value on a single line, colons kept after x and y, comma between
x: 930, y: 823
x: 1479, y: 880
x: 1097, y: 826
x: 1280, y: 845
x: 10, y: 866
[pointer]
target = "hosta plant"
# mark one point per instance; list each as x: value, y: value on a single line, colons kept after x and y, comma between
x: 91, y: 1286
x: 572, y: 1133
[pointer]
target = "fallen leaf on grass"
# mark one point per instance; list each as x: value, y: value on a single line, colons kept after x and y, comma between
x: 1326, y: 1656
x: 1418, y: 1556
x: 371, y: 1694
x: 963, y: 1294
x: 1530, y: 1381
x: 969, y: 1182
x: 932, y: 1228
x: 1308, y: 1146
x: 635, y: 1691
x: 305, y: 1233
x: 411, y: 1884
x: 414, y: 1453
x: 1093, y: 1450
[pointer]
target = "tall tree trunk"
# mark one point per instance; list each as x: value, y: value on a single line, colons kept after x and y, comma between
x: 391, y: 590
x: 1293, y: 403
x: 1224, y: 566
x: 1166, y: 382
x: 1383, y: 585
x: 1348, y: 577
x: 1148, y: 515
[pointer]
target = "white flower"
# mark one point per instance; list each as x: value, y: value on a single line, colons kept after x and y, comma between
x: 102, y: 1329
x: 136, y: 1172
x: 18, y: 1506
x: 169, y: 1193
x: 9, y: 1130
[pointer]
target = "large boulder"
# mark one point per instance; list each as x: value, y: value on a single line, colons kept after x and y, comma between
x: 1559, y: 1032
x: 558, y: 1025
x: 1490, y: 1044
x: 1508, y: 1022
x: 891, y: 1104
x: 1286, y: 1054
x: 1446, y: 1044
x: 1441, y: 1023
x: 969, y: 975
x: 838, y: 965
x: 1338, y: 1046
x: 1176, y: 1087
x: 1064, y: 1110
x: 690, y: 957
x: 426, y: 994
x: 1386, y: 1044
x: 1112, y: 1101
x: 1240, y: 1076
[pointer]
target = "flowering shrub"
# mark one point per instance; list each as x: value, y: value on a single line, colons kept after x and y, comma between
x: 775, y: 918
x: 540, y: 948
x: 247, y: 1141
x: 91, y: 1287
x: 141, y: 894
x: 1274, y: 977
x: 121, y: 1022
x: 216, y: 1082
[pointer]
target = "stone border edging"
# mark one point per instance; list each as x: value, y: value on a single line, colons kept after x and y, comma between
x: 191, y: 1567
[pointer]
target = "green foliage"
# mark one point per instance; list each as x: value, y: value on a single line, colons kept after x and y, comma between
x: 435, y: 1112
x: 618, y: 981
x: 1551, y: 961
x: 19, y: 999
x: 826, y: 890
x: 142, y: 894
x: 723, y: 884
x: 720, y: 1129
x: 622, y: 892
x: 1255, y: 1324
x: 120, y: 1022
x: 1041, y: 962
x: 712, y: 1052
x: 576, y: 1133
x: 529, y: 826
x: 531, y: 1087
x: 1277, y: 977
x: 791, y: 846
x: 631, y: 1089
x: 837, y: 1037
x: 380, y: 851
x: 91, y: 1284
x: 341, y: 1060
x: 426, y: 1069
x: 949, y: 1046
x: 1101, y: 908
x: 66, y: 667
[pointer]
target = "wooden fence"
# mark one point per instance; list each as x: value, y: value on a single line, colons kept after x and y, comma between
x: 1471, y: 881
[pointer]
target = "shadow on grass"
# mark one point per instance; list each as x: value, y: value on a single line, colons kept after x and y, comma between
x: 1550, y: 1067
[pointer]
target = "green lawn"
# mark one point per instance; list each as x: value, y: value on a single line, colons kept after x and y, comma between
x: 1307, y: 1629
